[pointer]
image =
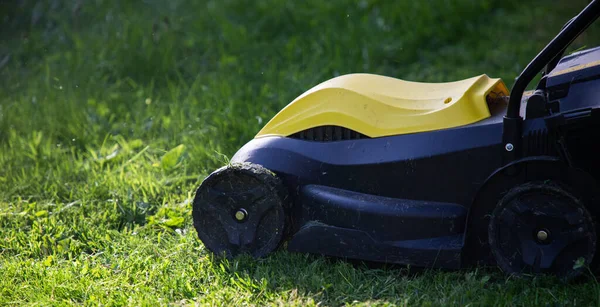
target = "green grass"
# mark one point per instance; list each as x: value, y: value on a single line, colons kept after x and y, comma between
x: 112, y: 112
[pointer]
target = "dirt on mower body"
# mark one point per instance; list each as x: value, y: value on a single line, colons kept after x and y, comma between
x: 442, y: 175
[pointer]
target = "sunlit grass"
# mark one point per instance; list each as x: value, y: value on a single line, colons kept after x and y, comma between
x: 112, y: 112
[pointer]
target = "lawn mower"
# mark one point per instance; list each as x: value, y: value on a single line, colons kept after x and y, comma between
x: 433, y: 175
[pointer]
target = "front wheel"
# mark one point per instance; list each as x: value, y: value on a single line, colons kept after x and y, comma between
x: 240, y: 209
x: 540, y: 228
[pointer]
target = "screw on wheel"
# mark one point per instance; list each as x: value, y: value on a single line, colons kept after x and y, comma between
x: 240, y: 209
x: 540, y: 228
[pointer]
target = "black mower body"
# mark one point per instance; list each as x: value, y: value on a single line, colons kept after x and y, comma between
x: 424, y: 198
x: 441, y: 175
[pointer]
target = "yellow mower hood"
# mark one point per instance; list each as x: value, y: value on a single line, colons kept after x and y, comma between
x: 377, y: 106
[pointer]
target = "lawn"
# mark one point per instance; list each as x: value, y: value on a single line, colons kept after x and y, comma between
x: 112, y: 113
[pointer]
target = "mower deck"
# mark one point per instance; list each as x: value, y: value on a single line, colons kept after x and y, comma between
x: 379, y: 199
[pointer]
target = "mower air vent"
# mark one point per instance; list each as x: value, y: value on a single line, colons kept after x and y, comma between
x: 539, y: 142
x: 328, y: 134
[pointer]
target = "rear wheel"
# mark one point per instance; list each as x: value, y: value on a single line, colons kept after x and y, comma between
x: 540, y: 228
x: 240, y: 209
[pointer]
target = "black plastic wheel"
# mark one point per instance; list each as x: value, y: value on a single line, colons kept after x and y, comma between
x: 540, y: 228
x: 240, y: 209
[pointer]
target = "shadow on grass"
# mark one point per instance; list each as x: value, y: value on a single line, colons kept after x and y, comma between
x: 335, y: 281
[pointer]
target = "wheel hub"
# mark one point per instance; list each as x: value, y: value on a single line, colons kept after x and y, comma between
x: 543, y: 236
x: 241, y: 215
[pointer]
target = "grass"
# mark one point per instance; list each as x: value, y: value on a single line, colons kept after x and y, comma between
x: 112, y: 112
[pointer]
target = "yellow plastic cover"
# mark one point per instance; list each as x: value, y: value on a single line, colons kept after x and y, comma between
x: 376, y: 105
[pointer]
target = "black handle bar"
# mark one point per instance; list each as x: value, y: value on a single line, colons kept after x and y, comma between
x: 566, y: 36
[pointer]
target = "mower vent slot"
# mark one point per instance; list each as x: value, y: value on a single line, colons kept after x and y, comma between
x: 328, y: 134
x: 539, y: 142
